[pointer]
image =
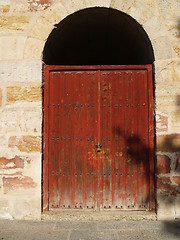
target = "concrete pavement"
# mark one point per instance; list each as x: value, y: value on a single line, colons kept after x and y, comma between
x: 89, y: 230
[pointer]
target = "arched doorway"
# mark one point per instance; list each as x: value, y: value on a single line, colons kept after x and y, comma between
x: 98, y: 117
x: 98, y: 36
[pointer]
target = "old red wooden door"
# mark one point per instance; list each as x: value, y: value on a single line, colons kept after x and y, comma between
x: 99, y: 128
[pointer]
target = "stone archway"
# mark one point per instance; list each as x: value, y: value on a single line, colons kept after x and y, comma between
x: 144, y: 13
x: 98, y: 36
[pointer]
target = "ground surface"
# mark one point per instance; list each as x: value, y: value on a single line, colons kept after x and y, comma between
x: 86, y: 230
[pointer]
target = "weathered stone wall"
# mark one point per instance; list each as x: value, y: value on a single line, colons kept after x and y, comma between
x: 20, y: 137
x: 24, y: 28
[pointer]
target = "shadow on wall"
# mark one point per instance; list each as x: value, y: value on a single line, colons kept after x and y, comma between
x: 167, y: 188
x: 172, y: 227
x: 168, y: 164
x: 73, y: 37
x: 172, y: 144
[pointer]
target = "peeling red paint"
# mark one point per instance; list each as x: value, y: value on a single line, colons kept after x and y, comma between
x: 12, y: 163
x: 161, y: 123
x: 12, y: 183
x: 38, y: 5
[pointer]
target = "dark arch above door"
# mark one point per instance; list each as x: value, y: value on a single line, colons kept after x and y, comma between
x: 98, y: 36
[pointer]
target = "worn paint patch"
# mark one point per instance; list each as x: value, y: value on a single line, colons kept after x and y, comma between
x: 12, y: 183
x: 39, y: 5
x: 162, y: 123
x: 4, y: 6
x: 12, y: 163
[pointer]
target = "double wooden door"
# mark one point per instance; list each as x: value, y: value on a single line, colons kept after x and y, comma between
x: 98, y: 138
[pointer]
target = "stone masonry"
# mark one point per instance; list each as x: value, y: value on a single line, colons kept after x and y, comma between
x: 24, y: 28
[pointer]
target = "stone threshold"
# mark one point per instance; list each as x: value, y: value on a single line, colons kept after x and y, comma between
x: 104, y: 215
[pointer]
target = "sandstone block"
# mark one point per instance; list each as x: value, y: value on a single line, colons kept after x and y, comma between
x: 168, y: 71
x: 170, y: 91
x: 14, y: 22
x: 26, y: 143
x: 163, y: 180
x: 13, y: 183
x: 151, y: 3
x: 72, y: 6
x: 38, y: 5
x: 8, y: 120
x: 121, y: 5
x: 0, y: 97
x: 55, y: 14
x: 12, y: 163
x: 177, y: 163
x: 25, y: 207
x: 168, y: 143
x: 3, y: 202
x: 0, y: 188
x: 5, y: 2
x: 175, y: 119
x: 41, y: 29
x: 140, y: 11
x: 168, y: 9
x: 161, y: 123
x: 12, y: 47
x: 21, y: 71
x: 33, y: 49
x: 28, y: 94
x: 166, y: 208
x: 166, y: 187
x: 163, y: 164
x: 97, y: 3
x: 31, y: 120
x: 176, y: 179
x: 3, y: 140
x: 147, y: 3
x: 166, y: 103
x: 153, y: 29
x: 166, y: 107
x: 4, y: 8
x: 177, y: 208
x: 172, y: 26
x: 19, y: 6
x: 176, y: 48
x: 159, y: 44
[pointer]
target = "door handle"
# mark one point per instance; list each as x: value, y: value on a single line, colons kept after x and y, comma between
x: 98, y: 146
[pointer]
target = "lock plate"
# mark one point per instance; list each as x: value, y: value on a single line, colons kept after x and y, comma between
x: 98, y: 147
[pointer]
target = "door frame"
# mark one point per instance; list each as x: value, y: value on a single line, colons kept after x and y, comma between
x: 45, y: 174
